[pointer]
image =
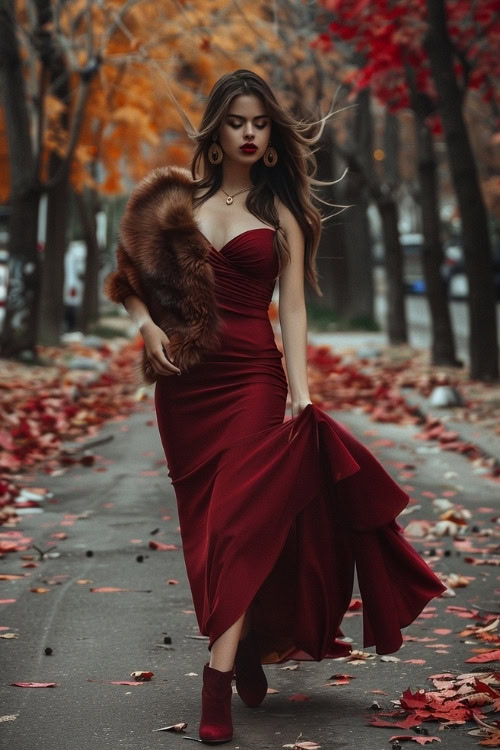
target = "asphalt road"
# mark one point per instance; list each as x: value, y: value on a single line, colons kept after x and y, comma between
x: 113, y: 510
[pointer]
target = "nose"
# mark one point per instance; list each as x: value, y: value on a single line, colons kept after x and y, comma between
x: 249, y: 130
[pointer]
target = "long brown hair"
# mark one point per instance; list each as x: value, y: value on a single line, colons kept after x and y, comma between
x: 292, y: 177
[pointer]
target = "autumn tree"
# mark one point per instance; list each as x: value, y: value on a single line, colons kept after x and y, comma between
x: 89, y: 97
x: 450, y: 43
x: 391, y: 43
x: 380, y: 53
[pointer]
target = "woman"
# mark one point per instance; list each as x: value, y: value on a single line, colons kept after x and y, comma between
x: 274, y: 515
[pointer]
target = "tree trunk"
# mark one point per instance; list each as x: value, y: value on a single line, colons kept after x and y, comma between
x: 483, y: 344
x: 331, y: 256
x: 360, y: 301
x: 443, y: 343
x: 383, y: 195
x: 357, y: 235
x: 386, y: 201
x: 52, y: 297
x: 58, y: 193
x: 90, y: 303
x: 396, y: 311
x: 19, y: 332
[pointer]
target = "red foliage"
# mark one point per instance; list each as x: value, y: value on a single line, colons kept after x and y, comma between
x: 387, y: 35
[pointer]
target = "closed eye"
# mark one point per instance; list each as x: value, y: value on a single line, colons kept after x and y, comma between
x: 235, y: 125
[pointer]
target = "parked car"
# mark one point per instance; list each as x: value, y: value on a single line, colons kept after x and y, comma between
x: 412, y: 245
x: 452, y: 271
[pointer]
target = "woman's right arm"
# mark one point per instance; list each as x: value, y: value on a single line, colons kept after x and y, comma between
x: 155, y: 340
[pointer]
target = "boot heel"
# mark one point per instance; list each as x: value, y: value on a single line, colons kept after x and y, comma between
x: 216, y: 724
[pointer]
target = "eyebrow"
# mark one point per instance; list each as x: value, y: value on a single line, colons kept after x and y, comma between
x: 240, y: 117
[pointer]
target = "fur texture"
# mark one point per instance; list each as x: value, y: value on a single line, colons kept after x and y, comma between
x: 162, y: 257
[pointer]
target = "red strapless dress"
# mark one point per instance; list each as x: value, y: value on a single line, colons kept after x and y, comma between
x: 279, y: 514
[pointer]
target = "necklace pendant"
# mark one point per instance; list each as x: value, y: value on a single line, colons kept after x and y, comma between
x: 229, y: 200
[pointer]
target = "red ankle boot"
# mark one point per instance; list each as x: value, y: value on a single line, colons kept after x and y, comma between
x: 216, y: 723
x: 251, y: 681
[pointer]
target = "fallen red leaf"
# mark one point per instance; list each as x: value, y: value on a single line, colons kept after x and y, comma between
x: 355, y: 605
x: 298, y: 697
x: 410, y: 721
x: 462, y: 611
x: 413, y: 738
x: 338, y: 682
x: 159, y: 545
x: 484, y: 688
x: 413, y: 700
x: 487, y: 656
x: 118, y: 682
x: 419, y: 640
x: 415, y: 661
x: 34, y: 684
x: 122, y: 682
x: 143, y: 676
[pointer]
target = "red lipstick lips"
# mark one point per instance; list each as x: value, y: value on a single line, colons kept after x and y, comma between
x: 248, y: 148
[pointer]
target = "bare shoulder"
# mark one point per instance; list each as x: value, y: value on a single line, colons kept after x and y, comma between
x: 288, y: 221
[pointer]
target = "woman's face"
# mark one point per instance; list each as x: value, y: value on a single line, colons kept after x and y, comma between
x: 246, y: 123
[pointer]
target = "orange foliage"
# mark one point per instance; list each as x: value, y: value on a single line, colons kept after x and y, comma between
x: 176, y: 153
x: 130, y: 123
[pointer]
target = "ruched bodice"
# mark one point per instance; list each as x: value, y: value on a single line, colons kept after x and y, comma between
x: 245, y: 272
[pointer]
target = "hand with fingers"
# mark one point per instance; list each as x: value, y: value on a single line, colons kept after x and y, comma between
x: 156, y: 344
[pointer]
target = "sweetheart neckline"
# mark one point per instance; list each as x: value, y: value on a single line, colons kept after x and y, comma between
x: 256, y: 229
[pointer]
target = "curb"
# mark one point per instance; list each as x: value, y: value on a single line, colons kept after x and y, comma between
x: 485, y: 440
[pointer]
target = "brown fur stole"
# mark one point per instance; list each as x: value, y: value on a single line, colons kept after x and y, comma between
x: 162, y: 257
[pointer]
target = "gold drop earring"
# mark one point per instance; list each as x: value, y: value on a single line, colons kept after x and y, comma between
x: 215, y: 152
x: 270, y: 157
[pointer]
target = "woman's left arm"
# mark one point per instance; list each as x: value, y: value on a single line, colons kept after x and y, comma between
x: 292, y: 314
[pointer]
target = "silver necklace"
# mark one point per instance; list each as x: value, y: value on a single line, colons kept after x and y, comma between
x: 229, y: 198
